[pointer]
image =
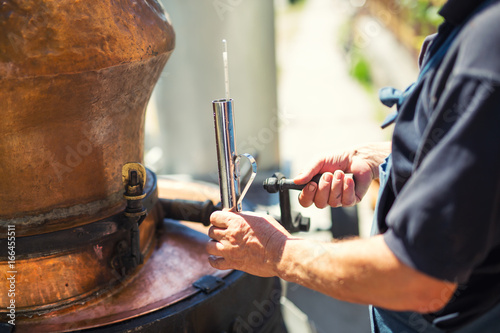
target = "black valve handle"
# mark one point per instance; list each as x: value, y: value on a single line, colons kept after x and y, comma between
x: 293, y: 222
x: 275, y: 184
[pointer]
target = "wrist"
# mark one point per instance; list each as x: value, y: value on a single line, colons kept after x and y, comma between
x: 286, y: 266
x: 373, y: 154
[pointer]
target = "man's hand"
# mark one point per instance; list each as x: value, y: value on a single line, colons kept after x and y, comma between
x: 247, y: 242
x: 335, y: 188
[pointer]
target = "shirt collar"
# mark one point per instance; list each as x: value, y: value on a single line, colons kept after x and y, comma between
x: 456, y: 11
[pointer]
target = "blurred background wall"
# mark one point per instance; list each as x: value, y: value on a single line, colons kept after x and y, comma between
x: 180, y: 135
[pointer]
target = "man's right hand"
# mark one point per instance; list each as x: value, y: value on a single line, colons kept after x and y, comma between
x: 336, y: 188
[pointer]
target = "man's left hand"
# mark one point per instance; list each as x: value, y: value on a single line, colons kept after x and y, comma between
x: 246, y: 241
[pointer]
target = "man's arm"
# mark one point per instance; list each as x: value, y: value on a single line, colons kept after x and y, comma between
x: 360, y: 270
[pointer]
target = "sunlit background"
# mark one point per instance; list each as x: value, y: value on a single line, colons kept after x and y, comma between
x: 304, y: 76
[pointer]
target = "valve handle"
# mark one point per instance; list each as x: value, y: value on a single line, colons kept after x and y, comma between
x: 280, y: 183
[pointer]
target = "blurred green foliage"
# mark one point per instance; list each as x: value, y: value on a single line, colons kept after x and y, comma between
x: 296, y: 2
x: 360, y: 70
x: 410, y: 20
x: 422, y: 15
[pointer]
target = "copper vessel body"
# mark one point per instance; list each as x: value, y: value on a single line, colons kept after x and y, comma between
x: 75, y: 79
x: 52, y: 276
x: 176, y: 259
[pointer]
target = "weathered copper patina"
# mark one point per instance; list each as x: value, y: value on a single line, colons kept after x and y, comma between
x: 75, y: 79
x: 176, y: 260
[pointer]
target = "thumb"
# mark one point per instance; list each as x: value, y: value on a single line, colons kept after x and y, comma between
x: 307, y: 174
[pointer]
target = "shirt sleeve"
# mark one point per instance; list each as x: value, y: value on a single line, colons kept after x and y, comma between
x: 445, y: 220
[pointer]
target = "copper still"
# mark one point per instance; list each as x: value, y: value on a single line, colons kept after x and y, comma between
x: 92, y: 248
x: 75, y: 78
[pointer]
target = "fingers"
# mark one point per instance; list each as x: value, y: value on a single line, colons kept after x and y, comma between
x: 342, y: 192
x: 323, y: 192
x: 348, y: 193
x: 220, y: 218
x: 333, y: 190
x: 329, y: 163
x: 250, y: 242
x: 335, y: 199
x: 218, y: 262
x: 215, y: 233
x: 306, y: 176
x: 215, y: 248
x: 306, y: 196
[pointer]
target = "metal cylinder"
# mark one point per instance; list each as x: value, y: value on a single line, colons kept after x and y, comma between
x: 228, y: 164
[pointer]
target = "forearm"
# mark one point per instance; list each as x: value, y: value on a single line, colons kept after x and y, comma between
x: 362, y: 271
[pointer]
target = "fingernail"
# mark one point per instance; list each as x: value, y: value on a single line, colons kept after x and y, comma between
x: 327, y: 177
x: 311, y: 187
x: 338, y: 175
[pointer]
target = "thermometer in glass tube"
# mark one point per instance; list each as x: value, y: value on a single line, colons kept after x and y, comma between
x: 226, y: 68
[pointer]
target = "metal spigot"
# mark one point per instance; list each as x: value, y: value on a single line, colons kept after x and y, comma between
x: 128, y: 254
x: 134, y: 182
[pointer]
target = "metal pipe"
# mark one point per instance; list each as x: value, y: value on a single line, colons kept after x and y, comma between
x: 228, y: 163
x: 228, y: 159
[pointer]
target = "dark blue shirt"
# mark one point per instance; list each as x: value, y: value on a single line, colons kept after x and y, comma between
x: 441, y: 212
